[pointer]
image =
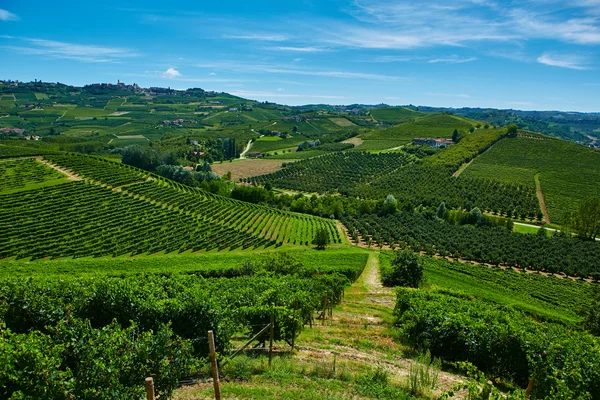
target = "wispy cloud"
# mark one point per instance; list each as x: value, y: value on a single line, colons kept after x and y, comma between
x: 307, y: 49
x: 563, y: 61
x: 71, y: 51
x: 171, y: 73
x: 7, y: 16
x: 241, y: 67
x: 454, y: 59
x: 258, y: 37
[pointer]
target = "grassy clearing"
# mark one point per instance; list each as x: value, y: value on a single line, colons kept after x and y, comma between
x: 437, y: 125
x: 247, y: 168
x: 342, y: 122
x: 352, y: 355
x: 395, y: 115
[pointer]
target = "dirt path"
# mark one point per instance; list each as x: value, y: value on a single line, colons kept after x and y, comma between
x: 70, y: 175
x: 466, y: 165
x: 247, y: 149
x: 542, y: 200
x: 358, y: 332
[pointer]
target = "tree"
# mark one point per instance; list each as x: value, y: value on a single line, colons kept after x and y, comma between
x: 442, y: 212
x: 512, y: 130
x: 586, y: 220
x: 390, y: 205
x: 321, y: 239
x: 592, y: 316
x: 406, y: 270
x: 456, y: 136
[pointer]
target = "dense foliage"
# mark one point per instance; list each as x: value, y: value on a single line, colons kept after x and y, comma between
x: 100, y: 336
x: 405, y: 269
x: 501, y: 342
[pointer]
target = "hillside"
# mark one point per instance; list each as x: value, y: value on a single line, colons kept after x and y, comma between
x: 567, y: 172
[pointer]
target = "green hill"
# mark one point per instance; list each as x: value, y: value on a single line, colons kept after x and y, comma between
x: 395, y: 115
x: 568, y: 173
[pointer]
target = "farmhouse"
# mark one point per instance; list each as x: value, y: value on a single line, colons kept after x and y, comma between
x: 13, y: 130
x: 435, y: 143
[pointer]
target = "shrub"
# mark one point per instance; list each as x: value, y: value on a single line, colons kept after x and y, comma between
x: 406, y: 270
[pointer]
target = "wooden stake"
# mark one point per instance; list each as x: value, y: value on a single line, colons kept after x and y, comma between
x: 271, y: 340
x: 529, y: 388
x: 324, y: 310
x: 213, y: 361
x: 149, y: 389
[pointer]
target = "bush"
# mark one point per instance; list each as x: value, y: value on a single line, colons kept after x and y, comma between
x: 406, y: 270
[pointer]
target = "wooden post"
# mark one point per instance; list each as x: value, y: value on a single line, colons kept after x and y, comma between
x: 324, y: 310
x: 213, y: 361
x: 331, y: 308
x: 529, y: 388
x: 149, y: 389
x: 271, y: 340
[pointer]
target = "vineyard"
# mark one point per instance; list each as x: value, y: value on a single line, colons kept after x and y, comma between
x: 550, y: 299
x: 496, y: 246
x: 17, y: 175
x: 337, y: 172
x: 144, y: 320
x: 566, y: 171
x: 437, y: 125
x: 502, y: 342
x: 103, y: 216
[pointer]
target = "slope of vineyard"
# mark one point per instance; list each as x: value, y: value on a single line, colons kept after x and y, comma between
x: 336, y: 172
x: 23, y: 174
x: 496, y: 246
x: 568, y: 172
x: 437, y: 125
x: 118, y: 209
x: 395, y: 115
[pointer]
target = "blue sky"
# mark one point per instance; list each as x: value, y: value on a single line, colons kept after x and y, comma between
x: 524, y: 54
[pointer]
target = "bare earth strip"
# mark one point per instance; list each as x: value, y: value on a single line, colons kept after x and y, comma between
x: 356, y: 141
x: 247, y: 168
x: 540, y: 195
x: 70, y: 175
x: 466, y: 165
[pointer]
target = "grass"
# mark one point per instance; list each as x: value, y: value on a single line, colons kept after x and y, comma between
x: 566, y: 170
x: 175, y: 263
x: 395, y: 115
x: 548, y: 298
x: 26, y: 175
x: 431, y: 126
x: 525, y: 229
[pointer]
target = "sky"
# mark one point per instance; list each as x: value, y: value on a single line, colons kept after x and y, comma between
x: 529, y: 54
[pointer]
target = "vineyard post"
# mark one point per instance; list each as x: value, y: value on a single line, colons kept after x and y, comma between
x: 271, y: 339
x: 150, y: 388
x: 324, y: 310
x: 529, y: 388
x: 213, y: 361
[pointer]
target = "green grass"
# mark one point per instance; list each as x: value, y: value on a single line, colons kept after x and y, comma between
x: 395, y: 115
x: 567, y: 171
x: 380, y: 144
x: 341, y: 257
x: 549, y: 298
x: 431, y: 126
x: 273, y: 143
x: 41, y: 96
x: 526, y: 229
x: 26, y: 175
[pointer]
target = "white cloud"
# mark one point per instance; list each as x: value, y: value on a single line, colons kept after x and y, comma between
x: 71, y: 51
x: 454, y: 59
x: 171, y: 73
x: 7, y: 16
x: 213, y: 74
x: 298, y: 59
x: 258, y: 37
x: 307, y: 49
x: 280, y: 90
x: 563, y: 61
